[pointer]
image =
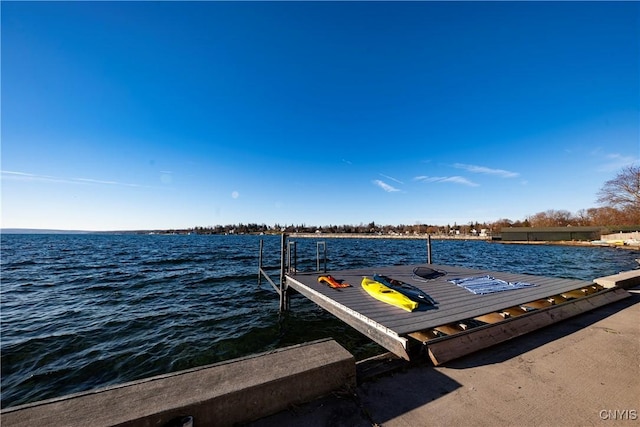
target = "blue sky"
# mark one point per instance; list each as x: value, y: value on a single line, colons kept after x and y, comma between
x: 123, y: 115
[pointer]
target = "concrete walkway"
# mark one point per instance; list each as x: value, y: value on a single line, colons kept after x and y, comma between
x: 580, y: 372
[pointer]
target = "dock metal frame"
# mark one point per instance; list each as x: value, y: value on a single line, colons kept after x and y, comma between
x: 281, y: 288
x: 462, y: 322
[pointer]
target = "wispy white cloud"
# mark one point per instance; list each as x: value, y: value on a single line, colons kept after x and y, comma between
x: 23, y: 176
x: 95, y: 181
x: 614, y: 162
x: 386, y: 187
x: 454, y: 179
x: 391, y: 178
x: 12, y: 173
x: 346, y: 161
x: 487, y: 171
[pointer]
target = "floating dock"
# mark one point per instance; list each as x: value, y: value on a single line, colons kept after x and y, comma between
x: 460, y: 322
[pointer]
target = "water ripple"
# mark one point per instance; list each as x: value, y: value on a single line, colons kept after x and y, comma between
x: 86, y: 311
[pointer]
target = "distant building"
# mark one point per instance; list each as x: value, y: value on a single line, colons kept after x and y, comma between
x: 537, y: 234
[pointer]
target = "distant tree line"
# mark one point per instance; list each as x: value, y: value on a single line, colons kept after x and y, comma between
x: 370, y: 228
x: 620, y: 205
x: 619, y: 197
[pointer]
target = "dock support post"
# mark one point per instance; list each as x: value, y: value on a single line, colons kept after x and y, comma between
x: 282, y: 288
x: 260, y: 264
x: 292, y: 257
x: 284, y: 297
x: 324, y: 256
x: 428, y: 248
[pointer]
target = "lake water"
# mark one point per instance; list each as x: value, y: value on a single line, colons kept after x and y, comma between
x: 85, y: 311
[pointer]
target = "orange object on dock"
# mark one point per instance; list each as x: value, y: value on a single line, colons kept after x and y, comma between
x: 329, y: 280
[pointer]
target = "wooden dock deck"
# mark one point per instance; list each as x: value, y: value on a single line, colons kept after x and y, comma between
x: 461, y: 322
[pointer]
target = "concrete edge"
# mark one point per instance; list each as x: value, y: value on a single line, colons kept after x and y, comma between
x: 625, y: 280
x: 222, y: 394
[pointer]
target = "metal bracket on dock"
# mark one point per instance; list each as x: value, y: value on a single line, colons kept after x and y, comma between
x: 281, y: 289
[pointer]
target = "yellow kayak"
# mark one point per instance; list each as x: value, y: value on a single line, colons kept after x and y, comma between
x: 385, y: 294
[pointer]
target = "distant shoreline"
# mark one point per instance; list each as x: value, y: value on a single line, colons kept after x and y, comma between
x: 488, y: 239
x: 47, y: 231
x: 384, y: 236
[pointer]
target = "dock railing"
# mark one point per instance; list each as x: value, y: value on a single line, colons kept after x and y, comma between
x: 288, y: 265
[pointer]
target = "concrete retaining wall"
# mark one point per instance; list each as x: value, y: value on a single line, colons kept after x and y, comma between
x: 223, y: 394
x: 624, y: 280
